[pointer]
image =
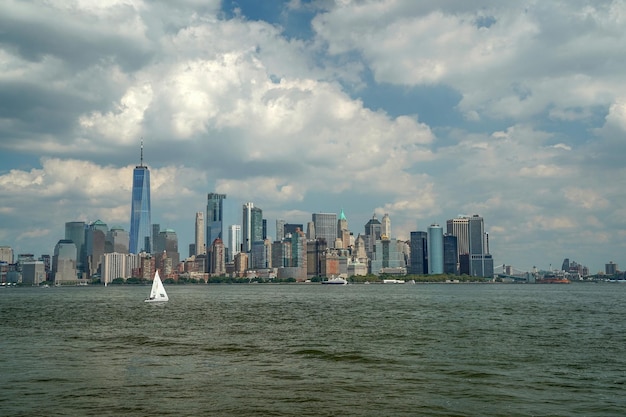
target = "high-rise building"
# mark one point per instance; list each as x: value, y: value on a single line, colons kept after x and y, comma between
x: 64, y: 262
x: 435, y: 249
x: 200, y: 244
x: 418, y: 263
x: 342, y: 230
x: 140, y: 223
x: 325, y: 227
x: 33, y: 272
x: 234, y: 241
x: 373, y: 232
x: 280, y: 229
x: 310, y: 231
x: 117, y: 240
x: 386, y: 226
x: 168, y: 240
x: 610, y: 268
x: 252, y: 230
x: 472, y: 245
x: 450, y: 255
x: 459, y: 227
x: 214, y: 217
x: 114, y: 265
x: 6, y: 254
x: 342, y: 223
x: 95, y: 241
x: 218, y: 257
x: 261, y: 254
x: 156, y: 247
x: 75, y: 231
x: 387, y: 255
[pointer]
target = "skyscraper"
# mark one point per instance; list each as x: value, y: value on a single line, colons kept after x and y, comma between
x: 280, y: 229
x: 214, y: 217
x: 200, y: 243
x: 386, y: 226
x: 472, y: 244
x: 234, y: 241
x: 252, y: 230
x: 435, y: 249
x: 75, y: 231
x: 325, y: 227
x: 418, y: 263
x: 140, y: 223
x: 64, y: 262
x: 450, y: 254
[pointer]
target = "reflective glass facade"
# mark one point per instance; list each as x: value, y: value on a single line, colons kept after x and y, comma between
x: 140, y: 223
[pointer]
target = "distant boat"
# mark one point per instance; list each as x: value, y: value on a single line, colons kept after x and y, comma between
x: 157, y: 293
x: 553, y: 279
x: 336, y: 281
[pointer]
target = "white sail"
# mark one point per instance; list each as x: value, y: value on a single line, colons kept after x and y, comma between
x: 157, y: 292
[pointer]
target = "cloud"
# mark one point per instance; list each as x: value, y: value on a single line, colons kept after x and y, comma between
x: 529, y: 134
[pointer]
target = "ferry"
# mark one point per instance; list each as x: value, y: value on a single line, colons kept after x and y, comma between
x: 553, y: 279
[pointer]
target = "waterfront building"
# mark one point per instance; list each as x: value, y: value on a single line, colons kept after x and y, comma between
x: 459, y: 227
x: 435, y: 249
x: 325, y: 227
x: 450, y: 254
x: 387, y: 254
x: 6, y: 254
x: 214, y: 217
x: 234, y: 241
x: 314, y: 251
x: 95, y: 240
x: 241, y: 264
x: 610, y: 268
x: 64, y: 262
x: 33, y: 272
x: 114, y: 265
x: 140, y: 223
x: 261, y: 254
x: 75, y: 231
x: 200, y: 244
x: 473, y: 242
x: 418, y: 258
x: 356, y: 267
x: 218, y: 258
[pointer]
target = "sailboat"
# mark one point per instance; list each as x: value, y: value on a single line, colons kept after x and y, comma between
x: 157, y: 293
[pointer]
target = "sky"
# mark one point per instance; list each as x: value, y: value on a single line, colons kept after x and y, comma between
x: 426, y: 110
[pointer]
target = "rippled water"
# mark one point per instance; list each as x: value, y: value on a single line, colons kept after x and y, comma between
x: 314, y: 350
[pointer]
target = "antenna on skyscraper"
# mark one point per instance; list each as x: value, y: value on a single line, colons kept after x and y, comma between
x: 141, y: 161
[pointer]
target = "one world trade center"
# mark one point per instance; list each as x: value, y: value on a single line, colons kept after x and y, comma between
x: 140, y: 223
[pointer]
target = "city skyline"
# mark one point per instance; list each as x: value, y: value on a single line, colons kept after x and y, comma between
x: 422, y: 110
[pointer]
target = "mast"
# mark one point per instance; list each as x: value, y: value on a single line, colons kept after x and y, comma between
x: 141, y: 160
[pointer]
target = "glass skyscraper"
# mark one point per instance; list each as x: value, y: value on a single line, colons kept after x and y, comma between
x: 140, y: 223
x: 214, y: 217
x: 435, y: 249
x: 325, y: 227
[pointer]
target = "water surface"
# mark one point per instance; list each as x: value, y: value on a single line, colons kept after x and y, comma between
x: 314, y: 350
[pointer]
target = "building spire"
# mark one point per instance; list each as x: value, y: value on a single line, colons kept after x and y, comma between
x: 141, y: 160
